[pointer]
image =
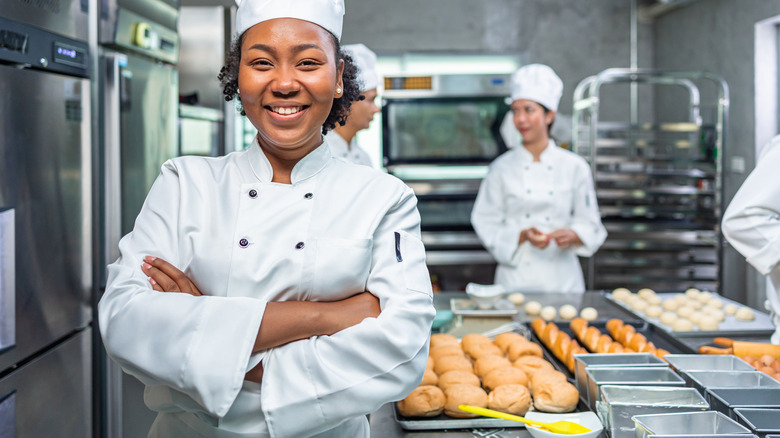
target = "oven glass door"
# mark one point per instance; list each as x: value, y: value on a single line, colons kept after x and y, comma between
x: 442, y: 130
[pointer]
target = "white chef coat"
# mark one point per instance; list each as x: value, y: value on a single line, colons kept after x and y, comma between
x: 751, y: 223
x: 348, y: 151
x: 337, y: 230
x: 556, y: 192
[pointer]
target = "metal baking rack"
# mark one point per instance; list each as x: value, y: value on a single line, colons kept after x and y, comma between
x: 658, y: 181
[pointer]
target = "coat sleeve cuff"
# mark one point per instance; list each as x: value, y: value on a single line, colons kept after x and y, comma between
x: 766, y: 258
x: 591, y: 239
x: 506, y: 246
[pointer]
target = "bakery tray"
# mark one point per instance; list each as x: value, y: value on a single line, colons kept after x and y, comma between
x: 442, y: 422
x: 466, y: 307
x: 731, y: 326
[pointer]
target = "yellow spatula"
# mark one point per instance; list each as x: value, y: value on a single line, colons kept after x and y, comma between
x: 564, y: 427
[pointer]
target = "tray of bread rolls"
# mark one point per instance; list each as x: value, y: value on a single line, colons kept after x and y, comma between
x: 506, y: 373
x: 693, y: 313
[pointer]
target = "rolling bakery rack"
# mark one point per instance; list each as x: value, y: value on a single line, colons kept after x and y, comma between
x: 658, y: 179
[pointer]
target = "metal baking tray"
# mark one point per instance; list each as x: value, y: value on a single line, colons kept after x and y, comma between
x: 467, y: 307
x: 726, y: 400
x: 701, y: 380
x: 623, y: 360
x: 759, y: 421
x: 630, y: 376
x: 708, y: 423
x: 761, y: 326
x: 441, y: 422
x: 703, y: 362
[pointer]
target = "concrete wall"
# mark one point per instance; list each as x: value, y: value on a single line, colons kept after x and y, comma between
x: 719, y: 36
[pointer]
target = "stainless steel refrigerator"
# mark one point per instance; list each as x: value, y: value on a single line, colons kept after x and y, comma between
x: 46, y: 263
x: 139, y: 130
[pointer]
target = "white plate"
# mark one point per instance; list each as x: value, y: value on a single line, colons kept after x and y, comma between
x: 588, y: 419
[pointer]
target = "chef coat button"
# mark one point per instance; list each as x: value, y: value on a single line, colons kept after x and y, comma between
x: 243, y: 243
x: 526, y: 167
x: 253, y: 193
x: 549, y: 167
x: 527, y: 215
x: 551, y: 193
x: 308, y: 195
x: 547, y: 219
x: 299, y: 245
x: 528, y: 191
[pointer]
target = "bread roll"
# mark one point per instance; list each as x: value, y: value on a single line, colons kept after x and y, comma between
x: 443, y: 338
x: 429, y: 365
x: 519, y: 349
x: 589, y: 314
x: 446, y: 350
x: 452, y: 363
x: 532, y: 308
x: 457, y: 378
x: 567, y: 312
x: 486, y: 364
x: 472, y: 339
x: 504, y: 376
x: 463, y: 395
x: 532, y: 364
x: 481, y: 350
x: 545, y: 376
x: 512, y: 399
x: 548, y: 313
x: 430, y: 378
x: 424, y: 401
x: 503, y: 340
x: 555, y: 396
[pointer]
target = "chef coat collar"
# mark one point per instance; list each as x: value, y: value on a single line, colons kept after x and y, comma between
x: 547, y: 155
x: 304, y: 169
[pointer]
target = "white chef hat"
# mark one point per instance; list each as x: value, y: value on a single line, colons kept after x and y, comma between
x: 539, y: 83
x: 365, y: 60
x: 328, y: 14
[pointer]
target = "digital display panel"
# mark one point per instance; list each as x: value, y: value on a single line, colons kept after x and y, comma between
x: 69, y: 55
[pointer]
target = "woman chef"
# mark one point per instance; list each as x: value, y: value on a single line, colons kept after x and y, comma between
x: 536, y: 209
x: 342, y: 139
x: 306, y: 303
x: 752, y: 224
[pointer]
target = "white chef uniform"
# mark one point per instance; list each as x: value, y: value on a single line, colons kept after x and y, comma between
x: 752, y: 223
x: 348, y: 151
x: 337, y: 230
x: 556, y: 192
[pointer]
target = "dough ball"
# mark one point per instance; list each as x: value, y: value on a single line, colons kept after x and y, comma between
x: 685, y: 311
x: 589, y: 314
x: 445, y: 350
x: 486, y: 364
x: 716, y: 303
x: 504, y: 376
x: 504, y: 340
x: 681, y: 299
x: 654, y: 300
x: 668, y: 318
x: 620, y: 294
x: 567, y: 312
x: 479, y: 351
x: 708, y: 323
x: 639, y: 306
x: 430, y: 378
x: 631, y: 299
x: 745, y: 314
x: 654, y: 311
x: 670, y: 305
x: 533, y: 308
x: 548, y: 313
x: 718, y: 314
x: 513, y: 399
x: 424, y: 401
x: 517, y: 350
x: 452, y: 363
x: 645, y: 293
x: 463, y: 395
x: 457, y: 378
x: 730, y: 309
x: 696, y: 317
x: 695, y: 305
x: 442, y: 339
x: 516, y: 298
x: 532, y: 364
x: 552, y: 396
x: 682, y: 325
x: 692, y: 293
x: 704, y: 297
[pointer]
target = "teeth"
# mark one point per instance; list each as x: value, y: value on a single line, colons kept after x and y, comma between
x: 286, y: 111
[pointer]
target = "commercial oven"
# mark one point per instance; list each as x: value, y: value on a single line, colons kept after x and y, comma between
x: 439, y: 134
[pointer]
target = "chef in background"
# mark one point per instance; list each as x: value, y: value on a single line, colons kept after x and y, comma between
x: 751, y: 224
x: 342, y: 138
x: 536, y: 210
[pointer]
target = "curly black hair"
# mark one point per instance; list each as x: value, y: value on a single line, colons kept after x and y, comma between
x: 228, y: 77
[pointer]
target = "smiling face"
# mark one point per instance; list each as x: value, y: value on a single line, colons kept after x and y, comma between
x: 287, y: 79
x: 532, y: 121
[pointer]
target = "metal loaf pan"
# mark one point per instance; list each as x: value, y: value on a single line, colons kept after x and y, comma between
x: 701, y: 380
x: 763, y: 422
x: 708, y: 423
x: 593, y: 360
x: 703, y: 362
x: 632, y: 376
x: 620, y: 403
x: 726, y: 400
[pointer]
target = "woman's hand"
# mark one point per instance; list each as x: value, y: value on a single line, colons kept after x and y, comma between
x: 535, y: 238
x: 565, y: 238
x: 164, y: 277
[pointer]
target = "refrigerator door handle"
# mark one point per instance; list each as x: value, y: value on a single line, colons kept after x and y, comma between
x: 112, y: 107
x: 7, y: 279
